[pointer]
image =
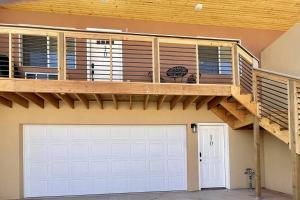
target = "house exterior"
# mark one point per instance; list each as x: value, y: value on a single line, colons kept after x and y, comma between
x: 93, y: 105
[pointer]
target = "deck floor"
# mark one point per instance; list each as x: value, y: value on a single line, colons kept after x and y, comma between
x: 202, y: 195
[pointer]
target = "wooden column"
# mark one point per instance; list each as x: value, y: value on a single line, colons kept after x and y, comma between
x: 61, y: 58
x: 293, y: 133
x: 10, y: 57
x: 257, y: 149
x: 155, y: 61
x: 235, y: 66
x: 110, y: 59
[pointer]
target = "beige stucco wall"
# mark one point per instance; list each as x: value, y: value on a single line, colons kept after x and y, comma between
x: 283, y: 54
x: 241, y: 142
x: 278, y: 165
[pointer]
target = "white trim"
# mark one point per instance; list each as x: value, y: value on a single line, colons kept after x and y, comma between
x: 226, y: 148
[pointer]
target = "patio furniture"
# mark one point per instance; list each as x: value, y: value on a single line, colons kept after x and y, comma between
x: 176, y: 72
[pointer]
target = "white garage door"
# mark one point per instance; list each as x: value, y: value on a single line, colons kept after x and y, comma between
x: 92, y: 159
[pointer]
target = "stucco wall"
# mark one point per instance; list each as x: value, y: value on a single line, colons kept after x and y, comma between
x: 278, y: 165
x: 241, y: 148
x: 283, y: 54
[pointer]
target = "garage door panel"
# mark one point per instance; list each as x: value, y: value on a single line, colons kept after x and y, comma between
x: 59, y: 169
x: 38, y: 152
x: 78, y: 160
x: 79, y: 151
x: 59, y: 152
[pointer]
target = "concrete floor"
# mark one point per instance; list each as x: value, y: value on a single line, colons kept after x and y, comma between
x: 203, y: 195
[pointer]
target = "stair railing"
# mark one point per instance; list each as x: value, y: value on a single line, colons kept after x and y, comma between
x: 278, y: 100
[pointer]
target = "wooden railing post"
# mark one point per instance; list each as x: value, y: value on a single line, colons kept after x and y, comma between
x: 110, y: 60
x: 10, y: 57
x: 197, y: 65
x: 235, y: 66
x: 61, y: 58
x: 155, y: 61
x: 293, y: 133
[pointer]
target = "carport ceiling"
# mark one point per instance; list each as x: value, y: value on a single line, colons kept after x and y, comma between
x: 257, y: 14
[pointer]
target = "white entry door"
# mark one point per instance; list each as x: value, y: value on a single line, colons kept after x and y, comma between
x: 97, y: 159
x: 98, y: 62
x: 212, y: 167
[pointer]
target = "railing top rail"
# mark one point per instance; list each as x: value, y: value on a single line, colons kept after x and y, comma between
x: 282, y: 75
x: 248, y: 52
x: 50, y: 28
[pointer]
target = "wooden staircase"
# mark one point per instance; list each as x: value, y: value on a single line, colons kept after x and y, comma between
x: 239, y: 110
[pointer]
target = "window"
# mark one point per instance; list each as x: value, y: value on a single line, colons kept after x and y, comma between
x: 215, y: 60
x: 47, y: 76
x: 41, y: 51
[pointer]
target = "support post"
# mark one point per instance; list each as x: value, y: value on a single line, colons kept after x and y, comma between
x: 155, y: 61
x: 197, y: 65
x: 293, y: 133
x: 10, y: 57
x: 110, y: 59
x: 257, y: 149
x: 235, y: 66
x: 61, y: 52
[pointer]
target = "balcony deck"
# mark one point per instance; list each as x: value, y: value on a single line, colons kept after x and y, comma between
x: 39, y: 65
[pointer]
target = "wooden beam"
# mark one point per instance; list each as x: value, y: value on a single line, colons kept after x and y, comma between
x: 49, y: 98
x: 6, y: 102
x: 232, y: 108
x: 15, y: 98
x: 174, y: 101
x: 214, y: 102
x: 146, y: 101
x: 203, y: 101
x: 99, y: 87
x: 67, y: 99
x: 257, y: 149
x: 160, y: 101
x: 188, y: 101
x: 99, y: 100
x: 293, y: 132
x: 130, y: 102
x: 33, y: 98
x: 82, y: 98
x: 115, y: 101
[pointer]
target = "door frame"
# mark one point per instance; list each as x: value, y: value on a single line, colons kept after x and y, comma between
x: 226, y: 156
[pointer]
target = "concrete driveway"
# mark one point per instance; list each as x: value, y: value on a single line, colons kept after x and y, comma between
x: 201, y: 195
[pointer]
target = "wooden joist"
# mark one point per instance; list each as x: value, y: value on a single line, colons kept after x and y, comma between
x: 15, y: 98
x: 67, y: 99
x: 33, y: 98
x: 220, y: 112
x: 99, y: 100
x: 6, y: 102
x: 160, y: 101
x: 82, y: 98
x: 203, y: 101
x: 49, y: 98
x: 146, y: 101
x: 174, y: 101
x: 130, y: 102
x: 188, y: 101
x: 115, y: 101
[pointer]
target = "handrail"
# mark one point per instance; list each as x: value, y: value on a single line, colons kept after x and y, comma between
x: 283, y: 75
x: 238, y: 41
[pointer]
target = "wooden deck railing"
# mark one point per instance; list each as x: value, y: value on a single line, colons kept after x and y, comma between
x: 278, y: 98
x: 71, y: 54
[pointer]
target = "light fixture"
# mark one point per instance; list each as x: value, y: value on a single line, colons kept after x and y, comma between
x: 104, y: 1
x: 194, y: 128
x: 198, y: 7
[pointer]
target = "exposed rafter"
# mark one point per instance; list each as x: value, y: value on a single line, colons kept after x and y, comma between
x: 49, y: 98
x: 82, y: 98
